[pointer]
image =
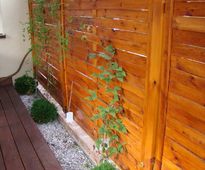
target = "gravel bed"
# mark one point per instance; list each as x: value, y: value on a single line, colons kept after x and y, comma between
x: 66, y: 150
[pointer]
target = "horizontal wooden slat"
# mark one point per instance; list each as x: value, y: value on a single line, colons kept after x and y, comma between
x: 102, y: 4
x: 189, y: 8
x: 168, y: 165
x: 186, y: 111
x: 189, y: 38
x: 191, y: 139
x: 189, y: 51
x: 180, y: 156
x: 190, y: 87
x: 194, y: 67
x: 196, y: 24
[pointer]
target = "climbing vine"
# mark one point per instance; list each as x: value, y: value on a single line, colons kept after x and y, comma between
x: 108, y: 141
x: 45, y: 17
x: 110, y: 74
x: 38, y: 29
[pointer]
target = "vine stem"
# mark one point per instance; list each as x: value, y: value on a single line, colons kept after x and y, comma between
x: 70, y: 97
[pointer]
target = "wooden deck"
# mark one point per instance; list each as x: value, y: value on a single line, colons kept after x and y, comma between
x: 21, y: 144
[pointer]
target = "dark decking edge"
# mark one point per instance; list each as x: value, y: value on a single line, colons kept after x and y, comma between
x: 22, y: 146
x: 43, y: 151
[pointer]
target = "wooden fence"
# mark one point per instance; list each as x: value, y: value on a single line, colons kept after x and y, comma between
x: 161, y: 46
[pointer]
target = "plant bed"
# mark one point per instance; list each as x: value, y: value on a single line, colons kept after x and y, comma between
x: 66, y: 150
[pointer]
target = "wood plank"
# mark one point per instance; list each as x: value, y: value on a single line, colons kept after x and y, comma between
x: 184, y: 142
x: 2, y: 165
x: 188, y: 51
x: 189, y: 8
x: 102, y: 4
x: 190, y: 138
x: 196, y: 24
x: 24, y: 146
x: 11, y: 159
x: 140, y: 15
x: 186, y: 111
x: 164, y: 84
x: 181, y: 157
x: 189, y: 38
x: 188, y: 90
x: 108, y: 23
x: 168, y: 165
x: 154, y: 93
x: 191, y: 66
x: 43, y: 151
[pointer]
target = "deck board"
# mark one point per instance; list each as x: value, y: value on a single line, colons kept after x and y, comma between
x: 2, y: 166
x: 20, y: 136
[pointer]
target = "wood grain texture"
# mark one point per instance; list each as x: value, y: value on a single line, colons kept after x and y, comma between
x: 161, y: 46
x: 125, y: 25
x: 21, y: 144
x: 185, y: 133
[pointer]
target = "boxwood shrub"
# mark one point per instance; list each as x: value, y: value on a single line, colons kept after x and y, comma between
x: 25, y: 85
x: 42, y: 111
x: 105, y: 166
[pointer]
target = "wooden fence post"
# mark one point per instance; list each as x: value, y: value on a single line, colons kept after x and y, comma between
x: 63, y: 64
x: 156, y: 87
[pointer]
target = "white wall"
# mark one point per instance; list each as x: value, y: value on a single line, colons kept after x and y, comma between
x: 1, y: 20
x: 12, y: 49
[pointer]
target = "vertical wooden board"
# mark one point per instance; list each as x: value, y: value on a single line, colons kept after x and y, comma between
x: 2, y: 164
x: 156, y: 80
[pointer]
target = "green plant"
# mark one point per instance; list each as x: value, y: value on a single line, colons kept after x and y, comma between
x: 105, y: 166
x: 108, y: 141
x: 25, y: 85
x: 44, y: 18
x: 42, y: 111
x: 54, y: 6
x: 39, y: 29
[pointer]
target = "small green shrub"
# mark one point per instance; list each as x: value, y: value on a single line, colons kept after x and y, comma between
x: 105, y: 166
x: 42, y: 111
x: 25, y: 85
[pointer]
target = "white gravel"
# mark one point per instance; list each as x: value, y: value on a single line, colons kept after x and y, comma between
x: 66, y: 150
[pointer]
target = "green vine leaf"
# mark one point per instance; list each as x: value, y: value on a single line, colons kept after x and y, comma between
x: 93, y: 95
x: 92, y: 55
x: 83, y: 26
x: 105, y: 56
x: 110, y: 49
x: 95, y: 75
x: 70, y: 19
x: 114, y: 138
x: 112, y: 151
x: 96, y: 117
x: 120, y: 75
x: 102, y: 130
x: 113, y: 66
x: 98, y: 143
x: 120, y: 148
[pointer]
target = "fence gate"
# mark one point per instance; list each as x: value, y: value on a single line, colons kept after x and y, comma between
x: 184, y: 142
